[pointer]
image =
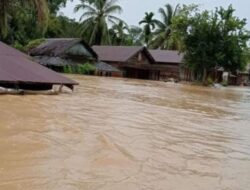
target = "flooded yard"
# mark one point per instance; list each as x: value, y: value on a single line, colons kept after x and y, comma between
x: 123, y: 134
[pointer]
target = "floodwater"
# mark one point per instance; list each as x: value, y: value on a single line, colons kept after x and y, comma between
x: 123, y: 134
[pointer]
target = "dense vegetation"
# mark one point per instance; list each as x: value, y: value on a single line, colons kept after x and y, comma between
x: 212, y: 40
x: 208, y: 39
x: 86, y: 69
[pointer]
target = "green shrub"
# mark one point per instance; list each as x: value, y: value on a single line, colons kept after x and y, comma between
x: 67, y: 69
x: 210, y: 81
x: 70, y: 69
x: 19, y: 46
x: 81, y: 67
x: 78, y: 69
x: 84, y: 69
x: 224, y: 83
x: 87, y: 69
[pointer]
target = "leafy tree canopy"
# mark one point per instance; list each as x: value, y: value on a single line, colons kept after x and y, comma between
x: 55, y: 5
x: 213, y: 39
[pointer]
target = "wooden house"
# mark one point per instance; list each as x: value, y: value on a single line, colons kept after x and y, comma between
x: 104, y: 69
x: 59, y: 52
x: 132, y: 61
x: 168, y: 64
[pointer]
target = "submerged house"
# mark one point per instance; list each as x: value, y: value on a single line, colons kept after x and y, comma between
x: 60, y: 52
x: 141, y: 63
x: 132, y: 61
x: 243, y: 78
x: 18, y: 71
x: 104, y: 69
x: 169, y: 64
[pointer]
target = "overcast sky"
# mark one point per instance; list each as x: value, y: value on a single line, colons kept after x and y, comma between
x: 133, y: 10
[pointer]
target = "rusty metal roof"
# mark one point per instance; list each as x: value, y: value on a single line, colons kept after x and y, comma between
x: 18, y: 68
x: 120, y: 53
x: 166, y: 56
x: 58, y: 46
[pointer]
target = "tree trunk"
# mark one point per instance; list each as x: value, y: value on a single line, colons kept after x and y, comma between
x: 204, y: 77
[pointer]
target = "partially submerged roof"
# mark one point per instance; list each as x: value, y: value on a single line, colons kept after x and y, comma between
x: 57, y: 47
x: 54, y: 61
x: 18, y: 68
x: 166, y: 56
x: 101, y: 66
x: 120, y: 53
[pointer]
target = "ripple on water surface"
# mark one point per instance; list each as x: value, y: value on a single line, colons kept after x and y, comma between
x: 126, y: 134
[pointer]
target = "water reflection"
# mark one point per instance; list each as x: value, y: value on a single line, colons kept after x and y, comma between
x: 126, y: 134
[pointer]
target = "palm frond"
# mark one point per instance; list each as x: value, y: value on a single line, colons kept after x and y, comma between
x: 100, y: 14
x: 84, y: 7
x: 87, y: 15
x: 113, y: 9
x: 163, y: 15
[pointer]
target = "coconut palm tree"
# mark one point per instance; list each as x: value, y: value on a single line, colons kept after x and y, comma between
x: 119, y: 33
x: 97, y: 16
x: 163, y: 38
x: 149, y: 25
x: 136, y: 35
x: 8, y: 7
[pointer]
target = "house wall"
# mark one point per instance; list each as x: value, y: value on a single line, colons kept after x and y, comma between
x: 117, y: 74
x: 139, y: 59
x: 215, y: 75
x: 242, y: 79
x: 168, y: 70
x: 155, y: 75
x: 143, y: 69
x: 186, y: 74
x: 139, y: 67
x: 135, y: 67
x: 109, y: 74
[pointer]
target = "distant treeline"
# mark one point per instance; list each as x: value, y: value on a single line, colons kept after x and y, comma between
x: 209, y: 39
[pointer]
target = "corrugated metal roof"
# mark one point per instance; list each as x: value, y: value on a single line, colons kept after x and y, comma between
x: 18, y: 68
x: 166, y: 56
x: 54, y: 61
x: 58, y: 47
x: 119, y: 53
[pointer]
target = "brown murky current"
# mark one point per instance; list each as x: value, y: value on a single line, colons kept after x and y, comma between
x: 123, y: 134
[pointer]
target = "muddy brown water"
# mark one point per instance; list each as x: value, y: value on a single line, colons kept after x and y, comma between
x: 123, y: 134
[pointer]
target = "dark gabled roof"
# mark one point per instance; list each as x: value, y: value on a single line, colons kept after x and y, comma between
x: 166, y: 56
x: 18, y: 68
x: 58, y: 46
x: 55, y: 61
x: 51, y: 61
x: 120, y: 53
x: 101, y: 66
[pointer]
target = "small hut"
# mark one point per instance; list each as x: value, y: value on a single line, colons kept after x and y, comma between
x: 104, y: 69
x: 18, y: 71
x: 60, y: 52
